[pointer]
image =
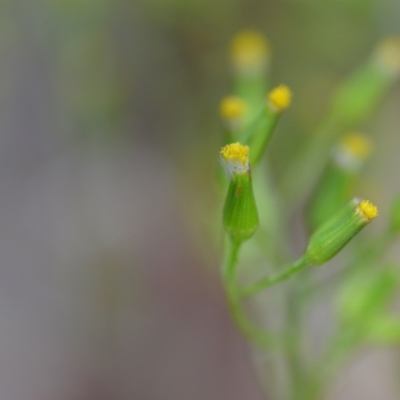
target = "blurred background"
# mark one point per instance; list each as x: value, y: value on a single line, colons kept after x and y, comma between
x: 109, y: 135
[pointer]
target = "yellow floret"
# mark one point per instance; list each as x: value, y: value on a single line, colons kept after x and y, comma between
x: 388, y: 54
x: 236, y: 152
x: 249, y: 49
x: 232, y: 108
x: 357, y: 144
x: 367, y: 209
x: 280, y: 98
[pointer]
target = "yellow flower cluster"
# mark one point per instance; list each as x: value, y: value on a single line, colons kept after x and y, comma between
x: 236, y: 152
x: 367, y: 210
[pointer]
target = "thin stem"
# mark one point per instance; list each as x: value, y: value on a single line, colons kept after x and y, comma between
x: 230, y: 262
x: 249, y: 131
x: 345, y: 339
x: 294, y: 339
x: 253, y: 333
x: 293, y: 268
x: 306, y: 167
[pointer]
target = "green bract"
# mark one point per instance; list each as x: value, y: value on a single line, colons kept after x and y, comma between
x: 240, y: 211
x: 334, y: 234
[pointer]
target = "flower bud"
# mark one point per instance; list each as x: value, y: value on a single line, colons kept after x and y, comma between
x: 352, y: 151
x: 250, y: 57
x: 387, y: 55
x: 250, y: 52
x: 240, y: 214
x: 260, y: 132
x: 334, y: 234
x: 358, y: 95
x: 232, y: 110
x: 279, y: 98
x: 339, y: 179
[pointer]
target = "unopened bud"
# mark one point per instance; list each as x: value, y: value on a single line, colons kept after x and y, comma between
x: 240, y: 211
x: 334, y: 234
x: 279, y: 98
x: 232, y: 108
x: 250, y: 52
x: 351, y: 151
x: 387, y: 55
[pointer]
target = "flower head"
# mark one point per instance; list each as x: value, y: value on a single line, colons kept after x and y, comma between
x: 249, y: 51
x: 280, y: 98
x: 232, y: 107
x: 235, y: 158
x: 240, y: 210
x: 339, y: 229
x: 367, y: 210
x: 387, y: 55
x: 352, y: 150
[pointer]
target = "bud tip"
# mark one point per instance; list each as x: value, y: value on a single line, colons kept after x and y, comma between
x: 232, y: 108
x: 387, y: 54
x: 280, y: 98
x: 249, y: 49
x: 236, y: 152
x: 367, y: 210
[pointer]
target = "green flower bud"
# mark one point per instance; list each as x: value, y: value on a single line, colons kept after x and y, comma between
x: 332, y: 236
x: 250, y: 54
x: 352, y: 151
x: 259, y: 132
x: 232, y: 110
x: 340, y: 177
x: 358, y: 95
x: 240, y: 211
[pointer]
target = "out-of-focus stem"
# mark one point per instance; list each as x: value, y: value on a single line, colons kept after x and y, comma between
x: 253, y: 333
x: 262, y: 284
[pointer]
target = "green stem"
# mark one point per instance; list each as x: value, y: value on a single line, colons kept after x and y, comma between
x: 262, y: 284
x: 293, y: 341
x: 249, y: 131
x: 262, y: 137
x: 253, y: 333
x: 307, y: 166
x: 230, y: 262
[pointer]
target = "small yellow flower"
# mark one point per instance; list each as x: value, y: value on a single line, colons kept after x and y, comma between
x: 352, y: 150
x: 249, y: 50
x: 236, y: 152
x: 387, y: 55
x: 232, y: 108
x: 367, y: 210
x: 280, y: 98
x: 235, y: 158
x: 357, y: 144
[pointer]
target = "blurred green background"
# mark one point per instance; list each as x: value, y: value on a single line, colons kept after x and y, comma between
x: 109, y: 135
